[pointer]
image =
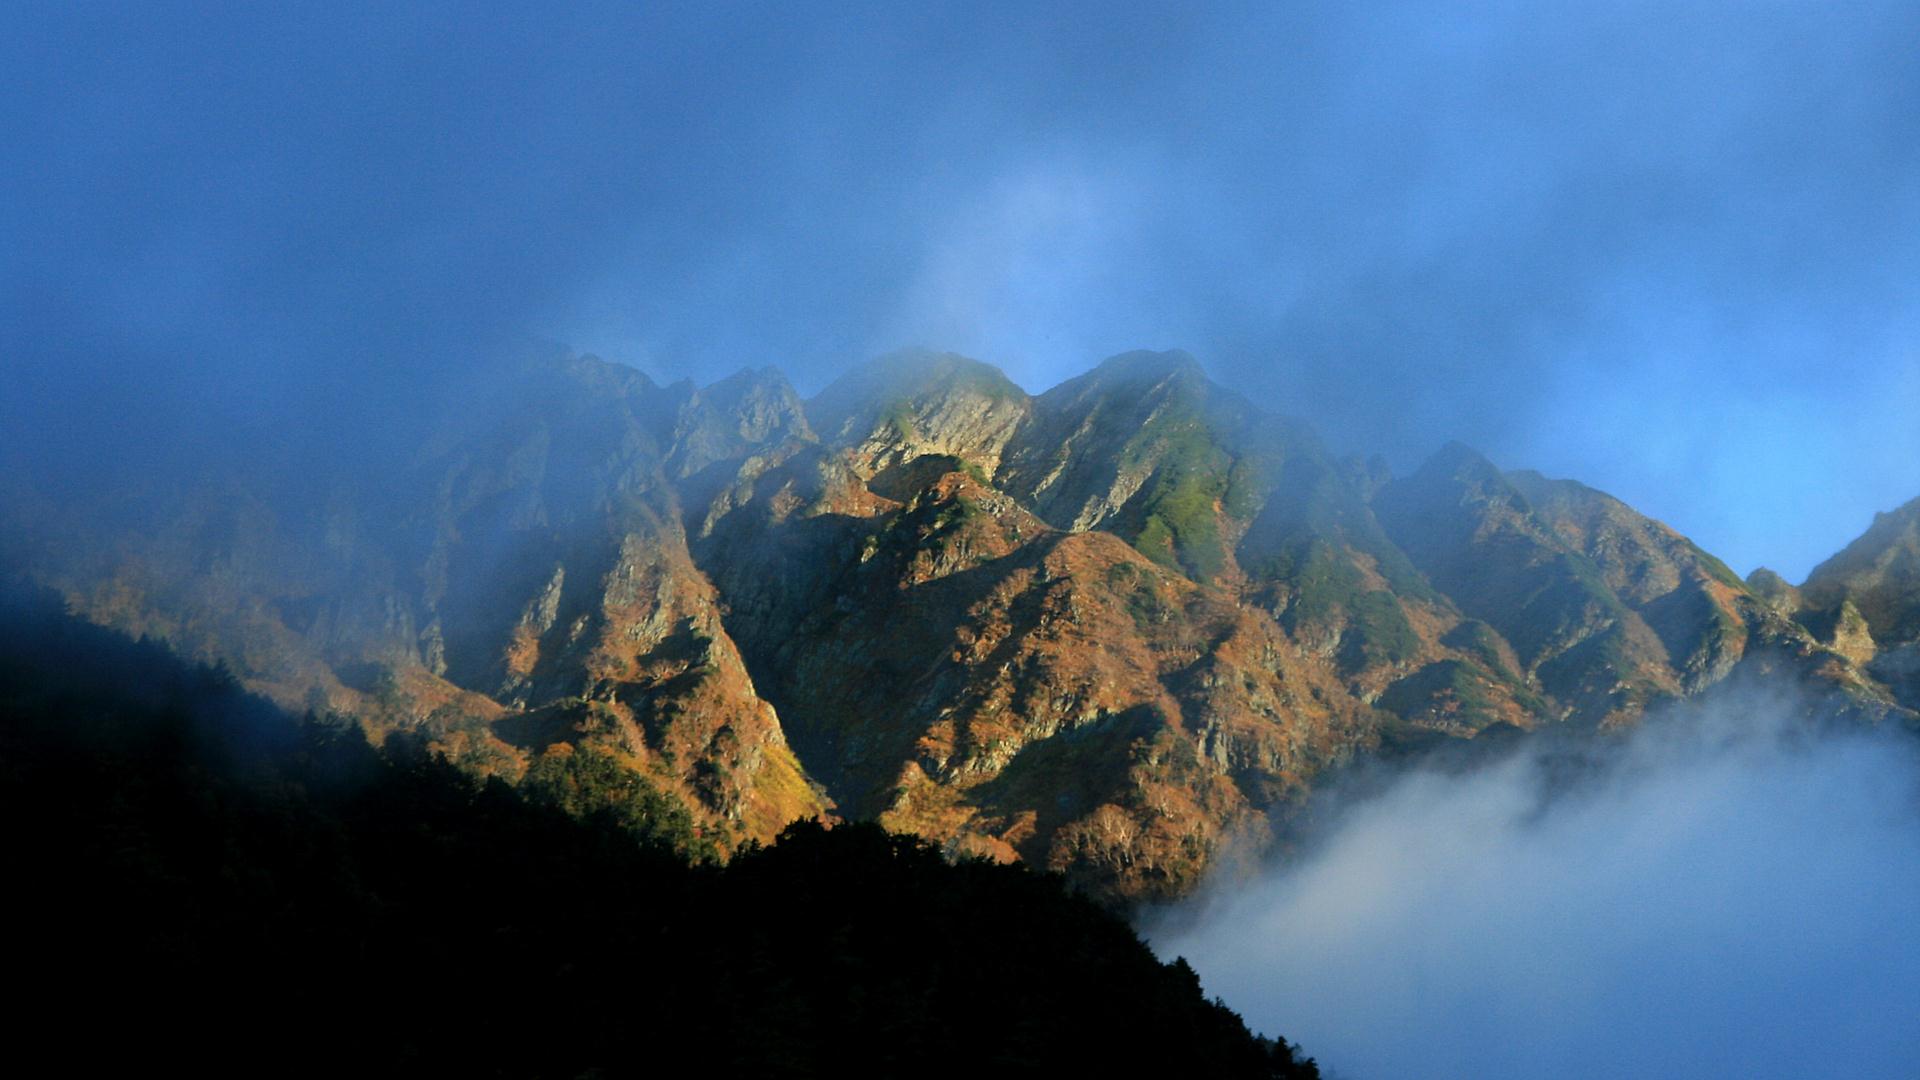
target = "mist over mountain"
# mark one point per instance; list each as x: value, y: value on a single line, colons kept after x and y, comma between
x: 1135, y: 631
x: 1665, y: 250
x: 1520, y: 341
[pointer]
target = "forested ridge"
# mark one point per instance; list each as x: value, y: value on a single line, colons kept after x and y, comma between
x: 203, y: 882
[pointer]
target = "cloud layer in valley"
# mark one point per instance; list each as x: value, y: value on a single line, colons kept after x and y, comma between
x: 1723, y: 895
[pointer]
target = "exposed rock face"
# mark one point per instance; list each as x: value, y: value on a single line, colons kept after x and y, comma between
x: 1145, y: 446
x: 521, y: 590
x: 1879, y: 573
x: 904, y: 406
x: 1014, y: 690
x: 1107, y: 629
x: 1865, y: 601
x: 1774, y: 591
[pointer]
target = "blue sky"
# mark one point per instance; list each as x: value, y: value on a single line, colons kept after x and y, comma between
x: 1669, y: 250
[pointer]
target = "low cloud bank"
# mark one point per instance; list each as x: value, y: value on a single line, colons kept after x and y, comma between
x: 1724, y: 894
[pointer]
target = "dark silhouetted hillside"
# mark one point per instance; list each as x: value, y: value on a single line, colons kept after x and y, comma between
x: 202, y: 884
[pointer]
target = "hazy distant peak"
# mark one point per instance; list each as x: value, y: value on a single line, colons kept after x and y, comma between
x: 747, y: 378
x: 925, y: 367
x: 908, y: 389
x: 764, y: 387
x: 1542, y: 490
x: 1905, y: 517
x: 1458, y: 461
x: 1158, y: 380
x: 910, y: 373
x: 751, y: 411
x: 1148, y: 365
x: 1774, y: 590
x: 596, y: 371
x: 1879, y: 573
x: 752, y: 389
x: 1894, y: 537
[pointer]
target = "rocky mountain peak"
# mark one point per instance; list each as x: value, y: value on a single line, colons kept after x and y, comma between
x: 906, y: 404
x: 746, y: 412
x: 915, y: 377
x: 1879, y: 573
x: 1458, y: 462
x: 1145, y: 365
x: 1775, y: 591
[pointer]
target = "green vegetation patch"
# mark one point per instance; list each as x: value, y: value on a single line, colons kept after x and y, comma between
x: 1555, y: 601
x: 588, y: 783
x: 954, y: 515
x: 1378, y: 630
x: 1181, y: 526
x: 1322, y: 578
x: 1248, y: 482
x: 1180, y: 508
x: 1478, y: 640
x: 1446, y: 689
x: 898, y: 415
x: 1147, y: 607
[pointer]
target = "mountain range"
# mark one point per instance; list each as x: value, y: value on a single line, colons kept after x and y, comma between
x: 1114, y: 630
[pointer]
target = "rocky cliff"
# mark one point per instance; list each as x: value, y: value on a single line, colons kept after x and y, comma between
x: 1864, y: 603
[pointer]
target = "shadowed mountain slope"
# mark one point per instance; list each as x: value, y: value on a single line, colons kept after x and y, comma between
x: 238, y: 892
